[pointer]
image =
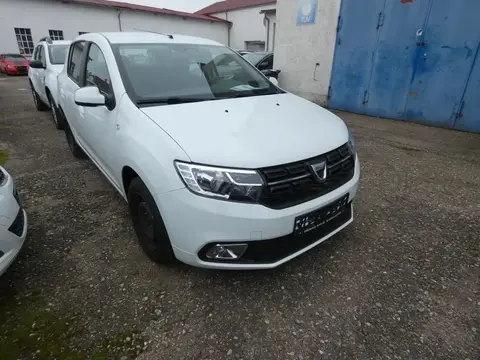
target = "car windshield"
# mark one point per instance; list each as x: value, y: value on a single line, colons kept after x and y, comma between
x: 57, y: 53
x: 15, y: 58
x: 176, y: 73
x: 254, y: 58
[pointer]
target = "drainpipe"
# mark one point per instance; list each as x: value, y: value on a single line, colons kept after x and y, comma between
x: 267, y: 20
x: 228, y: 30
x: 119, y: 20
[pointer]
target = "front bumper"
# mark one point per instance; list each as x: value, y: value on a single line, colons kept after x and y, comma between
x: 15, y: 71
x: 13, y: 225
x: 193, y: 222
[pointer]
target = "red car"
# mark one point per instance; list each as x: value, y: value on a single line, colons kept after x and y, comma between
x: 13, y: 64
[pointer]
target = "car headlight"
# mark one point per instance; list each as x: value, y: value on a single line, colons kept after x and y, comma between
x: 351, y: 142
x: 221, y: 183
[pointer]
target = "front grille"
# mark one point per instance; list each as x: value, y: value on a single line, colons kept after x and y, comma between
x: 295, y: 183
x: 17, y: 225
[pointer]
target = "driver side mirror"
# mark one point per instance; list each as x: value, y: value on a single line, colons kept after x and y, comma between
x: 89, y: 96
x: 36, y: 64
x: 273, y: 81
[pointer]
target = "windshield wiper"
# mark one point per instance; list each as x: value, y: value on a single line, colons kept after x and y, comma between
x: 172, y: 100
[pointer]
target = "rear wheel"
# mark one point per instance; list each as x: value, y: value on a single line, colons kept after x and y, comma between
x: 148, y: 223
x: 39, y: 104
x: 57, y: 119
x: 73, y: 145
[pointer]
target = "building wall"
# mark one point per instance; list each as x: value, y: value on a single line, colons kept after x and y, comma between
x: 41, y: 16
x: 304, y: 53
x: 247, y: 25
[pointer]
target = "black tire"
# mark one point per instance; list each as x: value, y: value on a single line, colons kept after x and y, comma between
x: 39, y: 104
x: 57, y: 118
x: 148, y: 224
x: 73, y: 145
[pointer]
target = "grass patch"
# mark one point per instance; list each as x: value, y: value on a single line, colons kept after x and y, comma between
x: 29, y: 330
x: 3, y: 157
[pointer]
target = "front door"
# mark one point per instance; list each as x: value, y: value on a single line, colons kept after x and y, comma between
x: 39, y: 75
x: 98, y: 124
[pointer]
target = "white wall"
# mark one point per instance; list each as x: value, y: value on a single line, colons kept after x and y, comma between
x: 247, y: 25
x: 299, y: 48
x: 40, y: 16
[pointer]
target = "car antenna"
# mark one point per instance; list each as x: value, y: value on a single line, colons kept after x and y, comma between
x: 170, y: 36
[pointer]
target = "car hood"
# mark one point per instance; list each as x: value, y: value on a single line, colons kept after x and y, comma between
x: 57, y: 69
x: 251, y: 132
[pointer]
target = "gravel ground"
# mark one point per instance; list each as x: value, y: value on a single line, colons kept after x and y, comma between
x: 402, y: 282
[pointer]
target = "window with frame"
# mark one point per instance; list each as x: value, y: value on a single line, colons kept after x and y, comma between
x: 74, y: 68
x: 97, y: 71
x: 82, y: 32
x: 40, y: 54
x: 55, y: 34
x: 24, y: 41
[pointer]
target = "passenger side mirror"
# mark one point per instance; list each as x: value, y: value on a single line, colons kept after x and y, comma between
x: 36, y: 64
x: 273, y: 81
x: 89, y: 96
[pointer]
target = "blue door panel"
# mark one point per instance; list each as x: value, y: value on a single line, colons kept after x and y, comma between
x: 356, y: 41
x: 394, y: 63
x: 469, y: 115
x: 444, y: 63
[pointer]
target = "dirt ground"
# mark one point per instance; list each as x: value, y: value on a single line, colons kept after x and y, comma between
x: 402, y: 282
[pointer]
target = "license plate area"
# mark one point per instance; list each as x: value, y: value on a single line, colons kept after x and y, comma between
x: 314, y: 219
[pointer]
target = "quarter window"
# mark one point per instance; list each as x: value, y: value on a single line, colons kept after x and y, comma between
x: 24, y: 41
x: 82, y: 32
x: 97, y: 71
x: 55, y: 34
x: 74, y: 61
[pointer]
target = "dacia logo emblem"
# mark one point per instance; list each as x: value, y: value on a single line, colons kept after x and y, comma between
x: 319, y: 170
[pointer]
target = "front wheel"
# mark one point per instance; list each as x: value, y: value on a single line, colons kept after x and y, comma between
x: 57, y: 119
x: 73, y: 145
x: 148, y: 223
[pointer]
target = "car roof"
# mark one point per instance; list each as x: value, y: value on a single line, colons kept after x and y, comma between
x: 10, y: 54
x: 150, y: 37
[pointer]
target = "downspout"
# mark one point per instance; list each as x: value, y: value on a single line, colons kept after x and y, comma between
x: 228, y: 30
x: 119, y: 20
x: 267, y: 20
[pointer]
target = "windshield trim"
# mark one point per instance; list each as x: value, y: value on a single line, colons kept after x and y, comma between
x: 145, y: 101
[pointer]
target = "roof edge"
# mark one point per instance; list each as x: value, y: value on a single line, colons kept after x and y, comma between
x: 150, y: 9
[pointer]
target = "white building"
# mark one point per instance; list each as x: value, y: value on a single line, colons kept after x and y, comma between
x: 24, y: 22
x: 304, y: 52
x: 253, y: 22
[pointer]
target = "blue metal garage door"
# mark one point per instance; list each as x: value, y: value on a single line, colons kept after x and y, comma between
x: 409, y: 59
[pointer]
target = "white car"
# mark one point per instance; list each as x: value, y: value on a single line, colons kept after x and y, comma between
x: 13, y: 221
x: 47, y: 62
x: 225, y: 171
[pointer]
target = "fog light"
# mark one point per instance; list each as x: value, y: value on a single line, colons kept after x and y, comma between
x: 226, y: 251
